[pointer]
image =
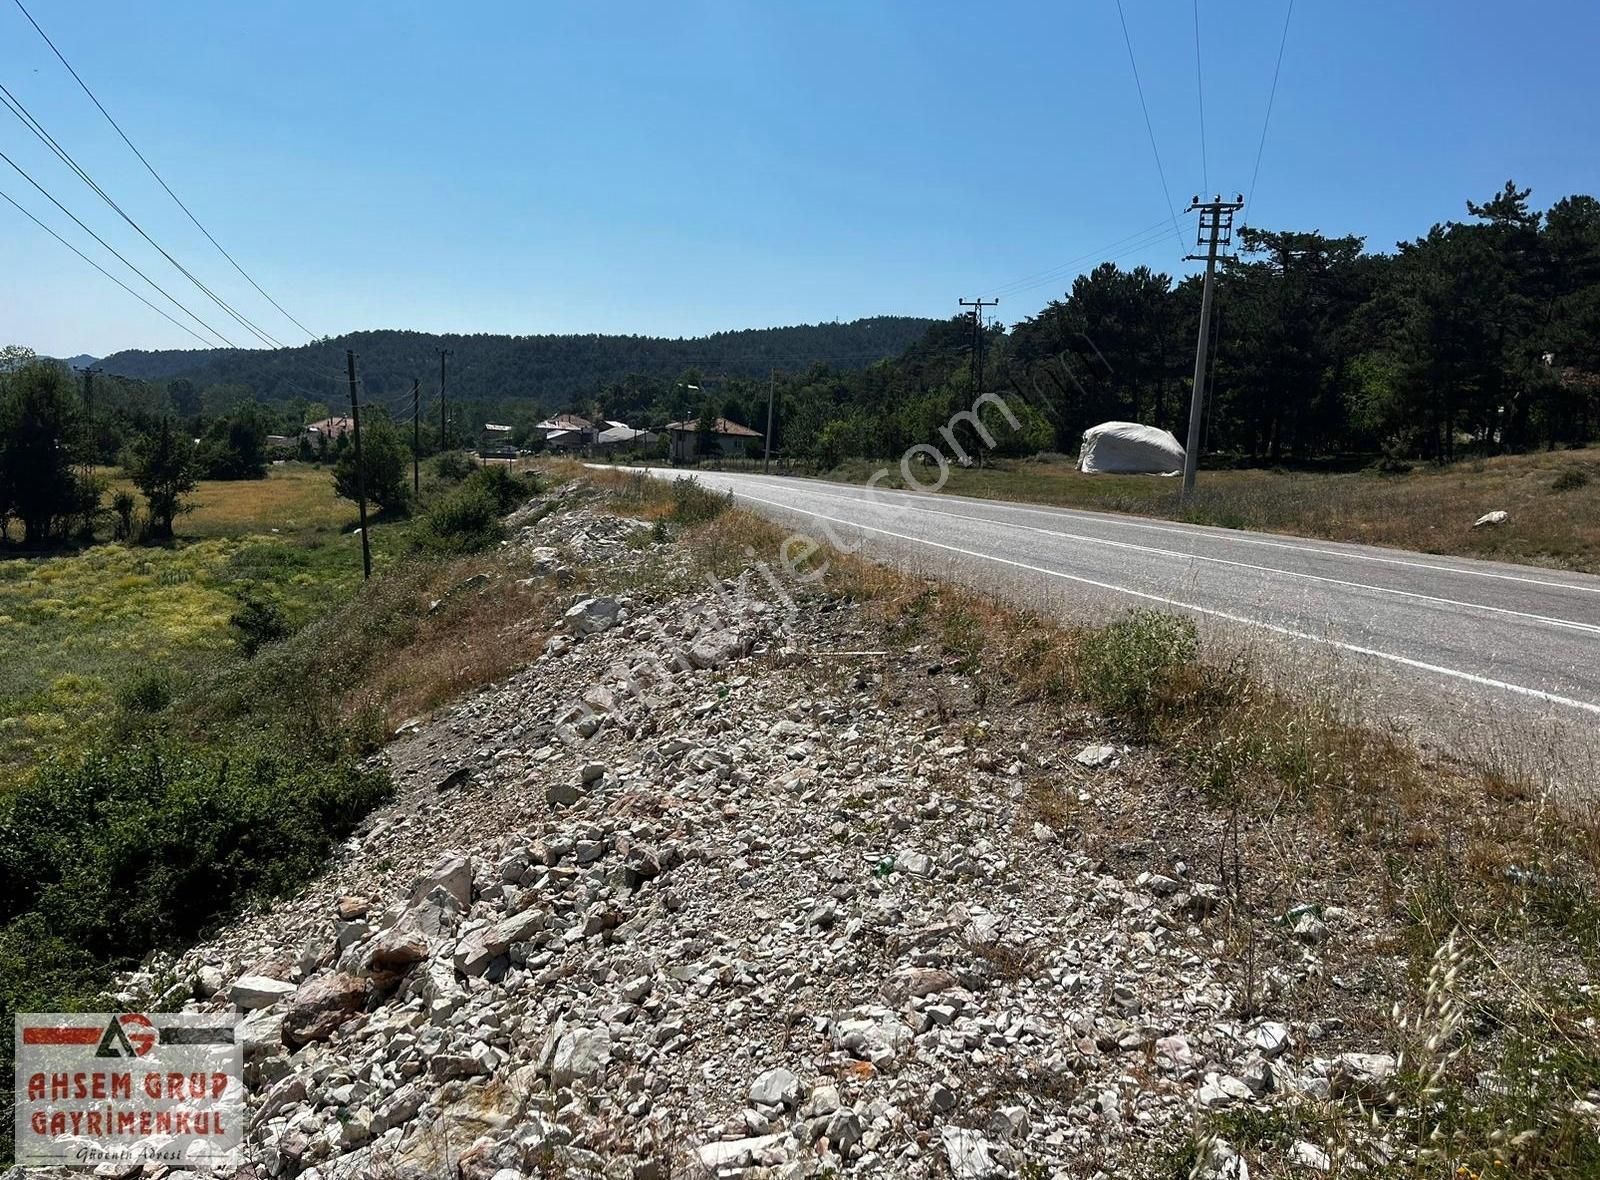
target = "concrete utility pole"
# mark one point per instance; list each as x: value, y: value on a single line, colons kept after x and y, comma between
x: 772, y: 385
x: 416, y: 436
x: 444, y: 430
x: 361, y: 472
x: 1216, y: 232
x: 977, y: 306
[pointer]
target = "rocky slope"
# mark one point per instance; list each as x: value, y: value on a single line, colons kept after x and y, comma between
x: 717, y: 886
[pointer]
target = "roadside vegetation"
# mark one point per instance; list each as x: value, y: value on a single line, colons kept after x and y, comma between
x: 187, y: 727
x: 1481, y: 971
x: 1552, y: 499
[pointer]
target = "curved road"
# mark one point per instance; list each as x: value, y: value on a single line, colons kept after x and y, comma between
x: 1490, y: 658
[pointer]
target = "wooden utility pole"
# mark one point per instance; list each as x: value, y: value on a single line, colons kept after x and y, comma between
x: 444, y: 429
x: 88, y: 406
x: 1216, y: 232
x: 977, y: 306
x: 416, y: 436
x: 772, y: 385
x: 361, y: 472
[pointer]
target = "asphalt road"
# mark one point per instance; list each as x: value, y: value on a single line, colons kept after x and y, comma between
x: 1501, y: 658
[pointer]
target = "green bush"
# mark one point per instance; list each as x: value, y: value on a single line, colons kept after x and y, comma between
x: 256, y: 624
x: 149, y: 690
x: 1124, y: 668
x: 125, y: 850
x: 1570, y: 480
x: 508, y: 490
x: 452, y: 466
x: 109, y: 856
x: 694, y: 503
x: 466, y: 520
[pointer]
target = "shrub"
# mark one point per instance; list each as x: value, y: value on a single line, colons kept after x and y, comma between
x: 508, y: 490
x: 112, y: 855
x: 1123, y: 668
x: 452, y: 466
x: 125, y: 850
x: 464, y: 521
x: 256, y: 624
x: 149, y: 690
x: 1570, y: 480
x: 694, y: 503
x: 123, y: 505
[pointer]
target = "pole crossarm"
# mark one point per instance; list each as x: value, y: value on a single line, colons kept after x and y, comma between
x: 1215, y: 234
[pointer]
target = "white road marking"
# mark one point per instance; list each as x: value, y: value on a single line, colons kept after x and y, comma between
x: 1211, y: 531
x: 1289, y: 632
x: 1571, y: 624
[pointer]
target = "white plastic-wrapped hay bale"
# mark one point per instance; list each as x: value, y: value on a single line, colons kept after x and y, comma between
x: 1127, y: 448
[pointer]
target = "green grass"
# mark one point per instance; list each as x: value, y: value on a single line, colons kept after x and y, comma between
x: 79, y: 625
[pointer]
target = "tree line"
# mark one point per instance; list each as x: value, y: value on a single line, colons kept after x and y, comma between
x: 1481, y: 336
x: 54, y: 441
x: 494, y: 368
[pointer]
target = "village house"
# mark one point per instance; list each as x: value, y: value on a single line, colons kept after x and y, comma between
x: 619, y: 436
x: 727, y: 438
x: 331, y: 429
x: 567, y: 432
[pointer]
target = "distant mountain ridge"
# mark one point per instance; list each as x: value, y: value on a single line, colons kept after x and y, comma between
x: 550, y: 368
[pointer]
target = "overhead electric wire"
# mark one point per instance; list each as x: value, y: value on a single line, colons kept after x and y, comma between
x: 1054, y: 271
x: 151, y: 169
x: 1148, y: 126
x: 1200, y: 93
x: 1271, y: 95
x: 1134, y: 243
x: 15, y: 106
x: 47, y: 195
x: 177, y: 323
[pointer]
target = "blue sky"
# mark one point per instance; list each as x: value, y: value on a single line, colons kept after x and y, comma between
x: 683, y: 168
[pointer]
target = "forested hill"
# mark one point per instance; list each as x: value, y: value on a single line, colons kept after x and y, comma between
x: 552, y: 369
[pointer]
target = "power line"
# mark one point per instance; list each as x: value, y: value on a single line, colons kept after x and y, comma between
x: 1144, y: 239
x: 1200, y: 91
x: 1048, y: 275
x: 151, y: 169
x: 15, y: 106
x: 1139, y: 249
x: 1148, y: 126
x: 113, y: 250
x: 103, y: 270
x: 1271, y: 95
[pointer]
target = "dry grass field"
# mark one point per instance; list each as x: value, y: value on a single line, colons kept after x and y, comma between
x: 295, y: 497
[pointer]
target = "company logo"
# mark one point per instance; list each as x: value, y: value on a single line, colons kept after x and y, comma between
x: 127, y: 1087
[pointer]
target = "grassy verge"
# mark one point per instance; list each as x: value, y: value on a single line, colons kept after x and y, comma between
x: 1553, y: 500
x: 1463, y: 902
x: 212, y: 779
